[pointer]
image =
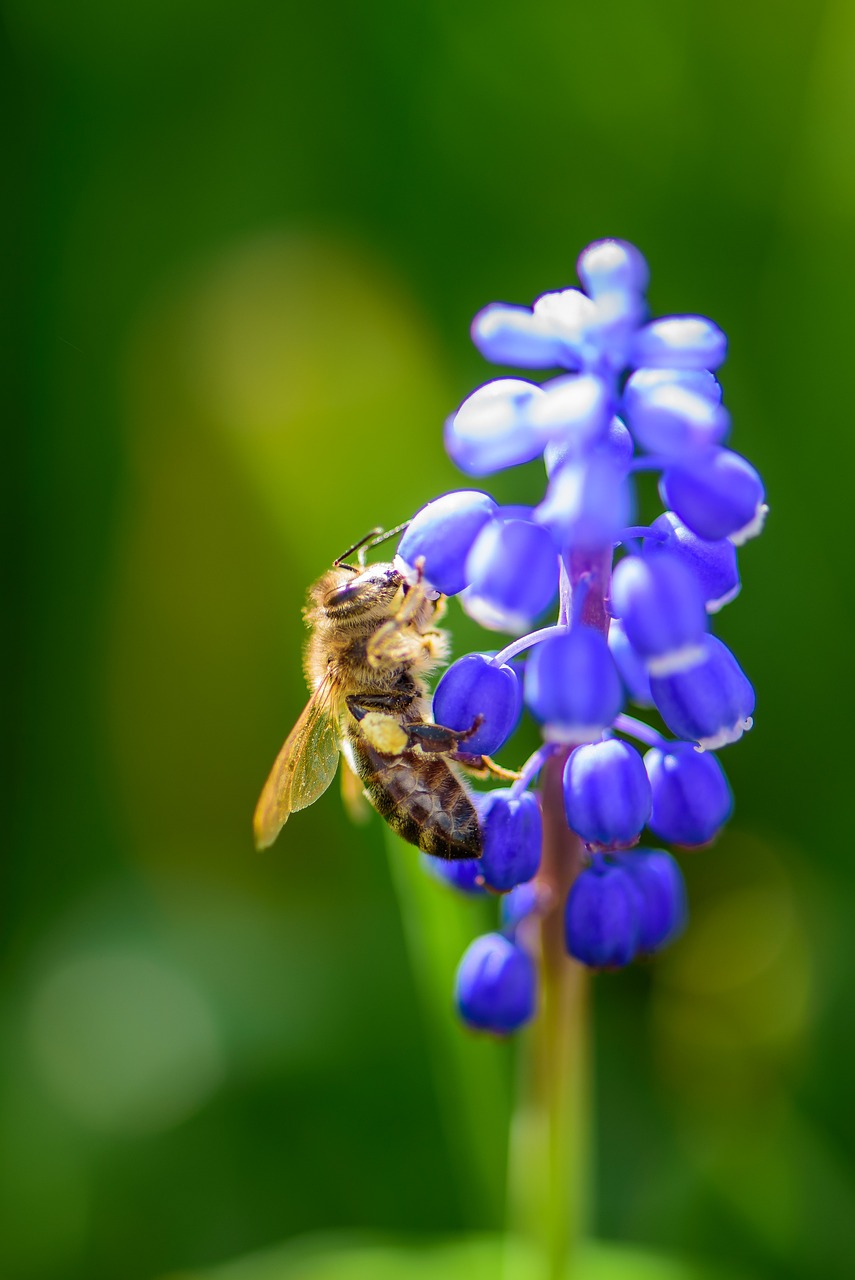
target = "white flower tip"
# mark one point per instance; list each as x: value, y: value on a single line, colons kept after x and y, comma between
x: 753, y: 528
x: 683, y: 659
x: 713, y: 606
x: 726, y: 736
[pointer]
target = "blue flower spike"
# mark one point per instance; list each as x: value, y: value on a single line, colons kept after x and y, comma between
x: 496, y: 985
x: 619, y: 392
x: 473, y: 686
x: 607, y: 797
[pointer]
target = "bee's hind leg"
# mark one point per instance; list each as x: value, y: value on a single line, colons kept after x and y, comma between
x: 484, y: 767
x: 435, y: 738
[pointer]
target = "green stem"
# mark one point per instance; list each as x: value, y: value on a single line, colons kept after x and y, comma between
x: 548, y: 1154
x: 548, y: 1160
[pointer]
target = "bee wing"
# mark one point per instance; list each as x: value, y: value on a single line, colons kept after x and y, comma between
x: 304, y: 768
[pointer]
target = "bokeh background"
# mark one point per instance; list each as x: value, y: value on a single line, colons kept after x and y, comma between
x: 243, y: 244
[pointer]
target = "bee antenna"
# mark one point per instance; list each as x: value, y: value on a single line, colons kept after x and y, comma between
x: 383, y: 537
x: 339, y: 560
x: 372, y: 539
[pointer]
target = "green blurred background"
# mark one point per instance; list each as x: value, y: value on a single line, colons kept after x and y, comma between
x: 243, y: 246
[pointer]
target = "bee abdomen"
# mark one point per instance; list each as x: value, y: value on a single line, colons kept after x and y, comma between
x: 422, y: 800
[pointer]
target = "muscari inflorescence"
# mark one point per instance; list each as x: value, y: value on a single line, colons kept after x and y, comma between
x: 634, y: 394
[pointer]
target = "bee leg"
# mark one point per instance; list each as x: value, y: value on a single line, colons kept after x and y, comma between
x: 484, y: 767
x: 382, y: 643
x: 360, y: 704
x: 435, y: 739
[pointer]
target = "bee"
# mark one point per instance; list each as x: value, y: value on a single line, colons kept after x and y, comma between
x: 373, y: 642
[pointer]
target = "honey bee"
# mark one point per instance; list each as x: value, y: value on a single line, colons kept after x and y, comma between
x: 373, y: 641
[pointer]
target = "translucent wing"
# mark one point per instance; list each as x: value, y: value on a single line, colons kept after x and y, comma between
x: 304, y: 768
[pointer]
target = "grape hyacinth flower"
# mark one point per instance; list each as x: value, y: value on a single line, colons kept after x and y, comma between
x: 620, y: 393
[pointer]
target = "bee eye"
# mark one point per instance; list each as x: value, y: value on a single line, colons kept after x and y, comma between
x: 341, y: 595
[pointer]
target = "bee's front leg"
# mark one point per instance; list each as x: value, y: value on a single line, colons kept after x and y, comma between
x: 484, y: 767
x: 360, y: 704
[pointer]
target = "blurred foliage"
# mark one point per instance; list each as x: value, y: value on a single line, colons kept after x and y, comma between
x: 243, y: 247
x: 475, y: 1258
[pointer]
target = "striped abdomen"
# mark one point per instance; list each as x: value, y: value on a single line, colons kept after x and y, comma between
x: 421, y: 798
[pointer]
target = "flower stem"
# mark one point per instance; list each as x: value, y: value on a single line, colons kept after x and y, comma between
x: 526, y: 642
x: 548, y: 1156
x: 549, y: 1137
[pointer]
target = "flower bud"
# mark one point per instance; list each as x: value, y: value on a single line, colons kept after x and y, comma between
x: 712, y: 563
x: 575, y: 410
x: 463, y: 874
x: 617, y: 445
x: 603, y: 915
x: 606, y: 794
x: 441, y: 535
x: 492, y: 429
x: 474, y: 686
x: 632, y: 668
x: 519, y: 903
x: 691, y: 795
x: 711, y: 704
x: 567, y: 313
x: 588, y: 502
x: 642, y: 381
x: 512, y: 571
x: 512, y: 836
x: 663, y: 896
x: 612, y: 266
x: 572, y: 686
x: 718, y: 496
x: 679, y: 342
x: 659, y: 602
x: 496, y: 985
x: 672, y: 419
x: 506, y: 334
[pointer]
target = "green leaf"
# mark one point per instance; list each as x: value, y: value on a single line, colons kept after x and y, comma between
x: 468, y: 1258
x: 472, y: 1072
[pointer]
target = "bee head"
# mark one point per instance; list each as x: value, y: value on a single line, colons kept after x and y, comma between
x: 347, y: 592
